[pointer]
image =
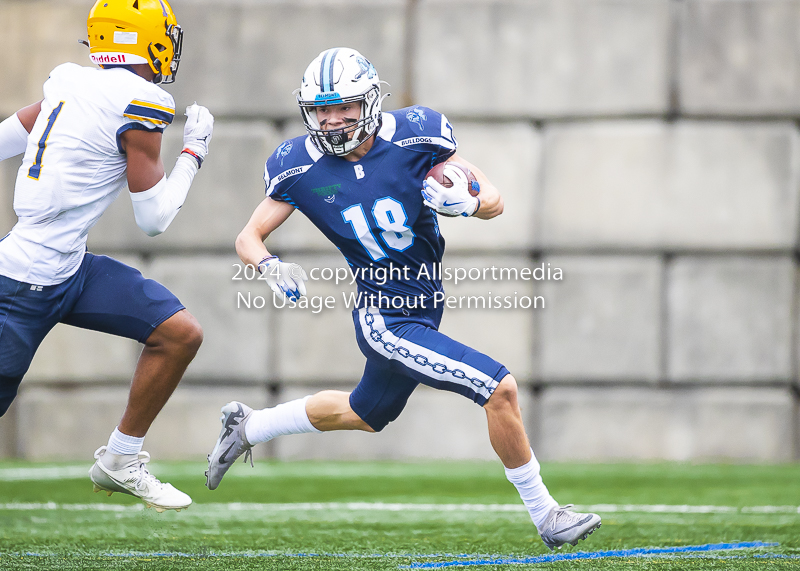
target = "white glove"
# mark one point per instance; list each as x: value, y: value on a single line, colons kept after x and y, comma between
x: 283, y: 278
x: 450, y: 201
x: 197, y: 131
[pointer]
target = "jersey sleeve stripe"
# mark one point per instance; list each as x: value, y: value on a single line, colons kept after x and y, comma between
x: 141, y: 113
x: 141, y: 103
x: 158, y: 122
x: 273, y: 182
x: 425, y: 143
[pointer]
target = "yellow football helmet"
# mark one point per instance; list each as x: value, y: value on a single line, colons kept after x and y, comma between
x: 124, y: 32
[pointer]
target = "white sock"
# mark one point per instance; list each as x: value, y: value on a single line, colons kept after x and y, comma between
x: 287, y: 418
x: 532, y: 490
x: 124, y: 445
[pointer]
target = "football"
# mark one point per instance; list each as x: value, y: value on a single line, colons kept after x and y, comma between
x: 437, y: 173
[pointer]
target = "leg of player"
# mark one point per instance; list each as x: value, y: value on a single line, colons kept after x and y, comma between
x: 556, y: 525
x: 243, y: 427
x: 330, y: 410
x: 167, y: 353
x: 120, y: 465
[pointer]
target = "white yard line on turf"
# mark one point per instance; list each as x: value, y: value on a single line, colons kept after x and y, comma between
x: 392, y: 507
x: 44, y: 473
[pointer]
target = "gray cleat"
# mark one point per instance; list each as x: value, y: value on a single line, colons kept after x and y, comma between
x: 564, y: 526
x: 231, y: 443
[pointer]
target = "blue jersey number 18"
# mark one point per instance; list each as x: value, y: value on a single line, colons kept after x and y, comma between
x: 390, y: 216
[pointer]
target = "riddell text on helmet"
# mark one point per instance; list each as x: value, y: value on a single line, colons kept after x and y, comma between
x: 116, y: 58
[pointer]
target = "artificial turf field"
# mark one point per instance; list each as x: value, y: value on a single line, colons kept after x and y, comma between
x: 379, y: 516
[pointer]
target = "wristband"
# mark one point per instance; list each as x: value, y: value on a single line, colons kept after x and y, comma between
x: 477, y: 207
x: 197, y: 157
x: 262, y: 262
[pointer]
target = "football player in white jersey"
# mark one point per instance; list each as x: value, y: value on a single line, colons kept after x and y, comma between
x: 95, y: 130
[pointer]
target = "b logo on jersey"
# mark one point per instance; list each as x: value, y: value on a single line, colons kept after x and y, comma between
x: 283, y: 150
x: 366, y: 67
x: 417, y: 115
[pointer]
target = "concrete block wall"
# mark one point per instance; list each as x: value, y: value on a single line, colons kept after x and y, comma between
x: 649, y: 149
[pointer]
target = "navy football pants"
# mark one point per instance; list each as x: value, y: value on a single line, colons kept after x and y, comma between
x: 404, y: 350
x: 103, y: 295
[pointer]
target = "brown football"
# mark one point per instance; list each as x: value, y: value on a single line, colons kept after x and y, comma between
x: 437, y: 173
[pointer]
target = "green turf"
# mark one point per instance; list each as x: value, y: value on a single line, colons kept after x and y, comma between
x: 213, y: 537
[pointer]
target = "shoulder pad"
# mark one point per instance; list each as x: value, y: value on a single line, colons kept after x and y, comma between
x: 151, y: 106
x: 64, y: 68
x: 290, y: 159
x: 419, y: 129
x: 144, y: 106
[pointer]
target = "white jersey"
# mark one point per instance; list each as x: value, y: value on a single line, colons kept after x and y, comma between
x: 73, y: 167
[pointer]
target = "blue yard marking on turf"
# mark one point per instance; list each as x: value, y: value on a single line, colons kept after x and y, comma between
x: 469, y: 559
x: 638, y: 552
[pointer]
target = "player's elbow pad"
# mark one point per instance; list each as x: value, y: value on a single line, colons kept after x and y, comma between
x: 156, y: 208
x: 13, y: 138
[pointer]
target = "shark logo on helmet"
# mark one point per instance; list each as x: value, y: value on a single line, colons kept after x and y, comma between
x: 366, y: 67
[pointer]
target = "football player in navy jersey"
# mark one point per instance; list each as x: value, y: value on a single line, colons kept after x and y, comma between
x: 358, y: 175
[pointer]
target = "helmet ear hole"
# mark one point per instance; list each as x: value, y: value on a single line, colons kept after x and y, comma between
x: 160, y: 47
x: 154, y: 59
x: 135, y: 4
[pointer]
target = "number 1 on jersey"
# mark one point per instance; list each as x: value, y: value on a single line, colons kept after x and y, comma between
x: 390, y: 216
x: 36, y: 167
x: 355, y: 216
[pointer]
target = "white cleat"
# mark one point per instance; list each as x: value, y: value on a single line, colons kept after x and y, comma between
x: 134, y: 479
x: 231, y: 443
x: 564, y: 526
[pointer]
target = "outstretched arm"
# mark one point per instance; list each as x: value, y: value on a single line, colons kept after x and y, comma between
x: 14, y: 131
x: 156, y: 198
x: 265, y: 219
x: 491, y: 200
x: 283, y: 278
